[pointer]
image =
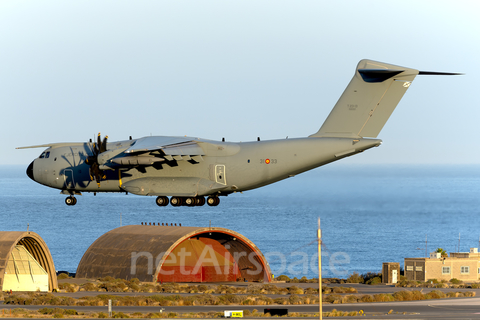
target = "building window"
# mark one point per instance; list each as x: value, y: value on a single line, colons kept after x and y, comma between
x: 478, y: 270
x: 445, y: 270
x: 409, y: 268
x: 465, y: 270
x: 419, y: 268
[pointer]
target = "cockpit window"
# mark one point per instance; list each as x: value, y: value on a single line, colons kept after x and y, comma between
x: 47, y: 154
x: 42, y: 155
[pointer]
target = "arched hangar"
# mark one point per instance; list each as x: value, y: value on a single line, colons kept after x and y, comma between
x: 174, y: 254
x: 25, y: 263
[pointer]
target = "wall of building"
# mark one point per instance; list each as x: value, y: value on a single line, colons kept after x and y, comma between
x: 436, y: 269
x: 424, y: 269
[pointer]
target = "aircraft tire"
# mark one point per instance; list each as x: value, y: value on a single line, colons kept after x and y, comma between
x: 70, y: 201
x: 199, y: 201
x: 176, y: 201
x: 213, y: 201
x: 189, y: 201
x: 162, y: 201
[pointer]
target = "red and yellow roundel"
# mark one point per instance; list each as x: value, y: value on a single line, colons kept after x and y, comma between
x: 267, y: 161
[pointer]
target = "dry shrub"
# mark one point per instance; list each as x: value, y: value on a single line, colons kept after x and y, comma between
x: 89, y: 287
x: 295, y: 290
x: 333, y: 298
x: 383, y: 297
x: 367, y: 298
x: 294, y: 299
x: 283, y: 278
x: 350, y: 299
x: 435, y: 294
x: 326, y: 290
x: 311, y: 291
x: 407, y: 283
x: 408, y: 295
x: 230, y: 299
x: 63, y: 276
x: 355, y: 278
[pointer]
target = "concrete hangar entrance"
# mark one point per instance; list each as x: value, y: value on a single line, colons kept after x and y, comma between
x: 25, y: 263
x: 174, y: 254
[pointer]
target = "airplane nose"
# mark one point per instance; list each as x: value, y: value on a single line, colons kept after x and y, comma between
x: 30, y: 171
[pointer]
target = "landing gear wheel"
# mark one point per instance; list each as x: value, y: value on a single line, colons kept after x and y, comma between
x: 70, y: 201
x: 213, y: 201
x: 162, y: 201
x: 199, y: 201
x: 189, y: 202
x: 176, y: 201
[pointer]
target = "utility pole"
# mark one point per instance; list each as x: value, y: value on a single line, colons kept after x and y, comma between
x: 426, y: 247
x: 319, y: 239
x: 459, y: 242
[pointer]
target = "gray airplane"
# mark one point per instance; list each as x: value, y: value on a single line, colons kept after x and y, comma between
x: 189, y: 169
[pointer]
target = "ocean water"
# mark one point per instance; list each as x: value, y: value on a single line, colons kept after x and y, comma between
x: 369, y: 215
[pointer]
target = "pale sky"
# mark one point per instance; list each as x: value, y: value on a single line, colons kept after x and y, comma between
x: 234, y: 69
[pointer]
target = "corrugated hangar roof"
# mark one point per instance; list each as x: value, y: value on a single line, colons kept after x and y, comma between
x: 140, y: 251
x: 35, y: 245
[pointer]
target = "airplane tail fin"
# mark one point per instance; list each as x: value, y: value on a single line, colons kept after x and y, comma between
x: 368, y: 101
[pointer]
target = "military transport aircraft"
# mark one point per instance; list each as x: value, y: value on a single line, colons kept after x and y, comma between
x: 189, y: 169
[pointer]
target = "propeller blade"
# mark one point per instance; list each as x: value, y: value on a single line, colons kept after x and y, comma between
x: 103, y: 147
x: 98, y: 147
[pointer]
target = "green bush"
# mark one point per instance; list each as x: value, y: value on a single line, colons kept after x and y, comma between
x: 355, y: 278
x: 455, y: 281
x: 367, y: 277
x: 374, y: 281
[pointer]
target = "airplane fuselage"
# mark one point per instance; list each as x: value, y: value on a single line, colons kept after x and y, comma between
x: 226, y: 167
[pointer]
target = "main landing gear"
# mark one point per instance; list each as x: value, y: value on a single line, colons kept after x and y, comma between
x: 163, y: 201
x: 71, y: 201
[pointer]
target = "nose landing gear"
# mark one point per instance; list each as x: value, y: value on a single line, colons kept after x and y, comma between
x: 71, y: 201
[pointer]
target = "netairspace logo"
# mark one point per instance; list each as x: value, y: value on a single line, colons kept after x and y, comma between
x: 303, y: 263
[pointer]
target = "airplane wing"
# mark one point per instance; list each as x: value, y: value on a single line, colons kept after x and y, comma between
x: 156, y: 143
x: 150, y: 150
